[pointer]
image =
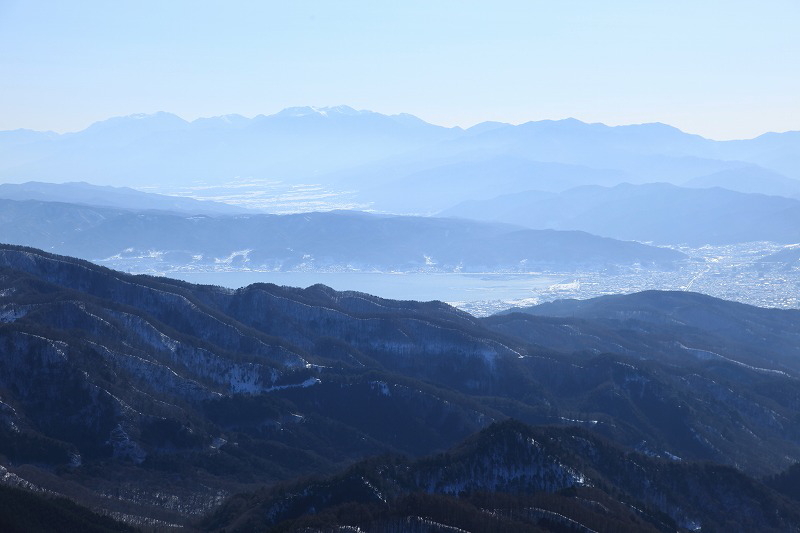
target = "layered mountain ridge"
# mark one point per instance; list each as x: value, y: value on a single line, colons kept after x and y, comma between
x: 371, y: 157
x: 155, y: 399
x: 654, y: 212
x: 159, y: 241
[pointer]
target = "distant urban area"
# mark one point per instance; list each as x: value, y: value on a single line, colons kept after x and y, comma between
x: 739, y: 272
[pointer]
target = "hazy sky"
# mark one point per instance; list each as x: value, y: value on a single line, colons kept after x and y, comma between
x: 723, y: 69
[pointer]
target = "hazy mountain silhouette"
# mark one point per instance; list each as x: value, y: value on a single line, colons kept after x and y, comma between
x: 750, y: 179
x: 294, y: 144
x: 656, y: 212
x: 310, y: 241
x: 367, y: 149
x: 106, y: 196
x: 788, y: 258
x: 430, y: 190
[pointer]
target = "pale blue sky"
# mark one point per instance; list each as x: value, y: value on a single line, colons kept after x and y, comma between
x: 723, y: 69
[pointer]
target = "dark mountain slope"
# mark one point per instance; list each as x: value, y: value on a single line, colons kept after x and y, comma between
x: 787, y: 482
x: 682, y: 351
x: 27, y: 512
x: 685, y: 324
x: 99, y: 366
x: 170, y: 396
x: 522, y: 479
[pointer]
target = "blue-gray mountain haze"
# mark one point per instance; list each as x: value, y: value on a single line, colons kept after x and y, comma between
x: 372, y: 155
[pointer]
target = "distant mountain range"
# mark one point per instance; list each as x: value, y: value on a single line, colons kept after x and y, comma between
x: 297, y: 143
x: 311, y: 241
x: 396, y: 163
x: 656, y: 212
x: 748, y: 179
x: 156, y: 400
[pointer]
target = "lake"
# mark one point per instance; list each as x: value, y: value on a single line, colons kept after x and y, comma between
x: 448, y: 287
